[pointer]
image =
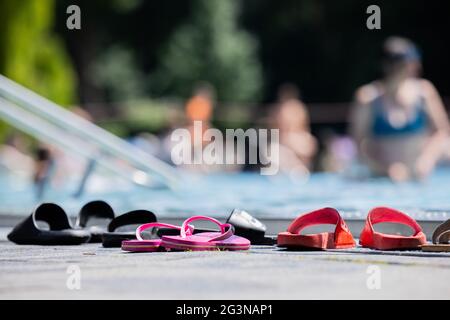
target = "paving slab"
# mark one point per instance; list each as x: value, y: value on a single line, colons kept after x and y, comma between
x: 39, y: 272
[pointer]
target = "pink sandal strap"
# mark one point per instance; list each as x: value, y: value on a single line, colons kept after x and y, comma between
x: 146, y: 226
x: 226, y: 229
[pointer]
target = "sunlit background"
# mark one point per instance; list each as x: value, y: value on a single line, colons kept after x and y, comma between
x: 135, y: 64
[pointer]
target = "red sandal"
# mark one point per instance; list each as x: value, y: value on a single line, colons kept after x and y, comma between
x: 369, y: 238
x: 341, y: 238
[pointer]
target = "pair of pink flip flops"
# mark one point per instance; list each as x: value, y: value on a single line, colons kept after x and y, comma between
x: 187, y: 241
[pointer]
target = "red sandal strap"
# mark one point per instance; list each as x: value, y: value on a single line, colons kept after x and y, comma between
x: 323, y: 216
x: 385, y: 214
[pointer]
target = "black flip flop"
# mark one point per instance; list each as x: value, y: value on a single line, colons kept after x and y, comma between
x: 94, y: 209
x: 244, y: 224
x: 60, y: 232
x: 113, y: 239
x: 247, y: 226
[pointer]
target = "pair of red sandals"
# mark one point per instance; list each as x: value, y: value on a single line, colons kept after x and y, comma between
x: 342, y: 238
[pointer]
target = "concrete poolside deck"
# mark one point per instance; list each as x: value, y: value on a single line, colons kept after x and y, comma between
x: 35, y: 272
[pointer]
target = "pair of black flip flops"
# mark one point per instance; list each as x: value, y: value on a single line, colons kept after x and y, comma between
x: 61, y: 232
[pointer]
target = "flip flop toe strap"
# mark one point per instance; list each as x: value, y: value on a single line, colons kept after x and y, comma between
x: 226, y: 229
x: 146, y: 226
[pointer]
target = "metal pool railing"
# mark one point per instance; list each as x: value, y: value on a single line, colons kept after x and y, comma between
x: 51, y: 123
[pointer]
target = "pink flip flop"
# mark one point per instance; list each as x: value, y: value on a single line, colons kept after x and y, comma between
x: 142, y: 245
x: 223, y: 240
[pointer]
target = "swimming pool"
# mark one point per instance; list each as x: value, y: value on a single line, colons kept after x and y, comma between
x: 266, y: 197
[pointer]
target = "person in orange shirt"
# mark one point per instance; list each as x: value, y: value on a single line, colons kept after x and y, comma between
x: 198, y: 114
x: 200, y: 108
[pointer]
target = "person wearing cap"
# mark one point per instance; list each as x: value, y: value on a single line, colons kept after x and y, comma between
x: 399, y: 122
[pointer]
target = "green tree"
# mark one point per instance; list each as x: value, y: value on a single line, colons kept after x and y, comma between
x: 29, y: 52
x: 211, y: 47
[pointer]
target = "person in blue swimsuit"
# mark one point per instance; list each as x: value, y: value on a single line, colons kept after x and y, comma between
x: 399, y: 122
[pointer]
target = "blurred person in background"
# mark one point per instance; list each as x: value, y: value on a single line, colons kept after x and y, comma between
x: 54, y: 166
x: 67, y: 165
x: 198, y: 108
x: 297, y: 145
x: 147, y: 142
x: 14, y: 155
x: 339, y: 152
x: 399, y: 122
x: 44, y: 167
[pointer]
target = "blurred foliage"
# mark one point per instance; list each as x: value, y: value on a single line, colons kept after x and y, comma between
x: 324, y: 47
x: 243, y: 46
x: 142, y: 115
x: 210, y: 47
x: 31, y: 54
x: 150, y: 114
x: 118, y: 74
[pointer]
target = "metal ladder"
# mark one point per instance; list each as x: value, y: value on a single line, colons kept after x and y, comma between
x: 50, y: 123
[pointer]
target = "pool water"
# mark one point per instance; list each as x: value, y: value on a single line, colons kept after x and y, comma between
x: 267, y: 197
